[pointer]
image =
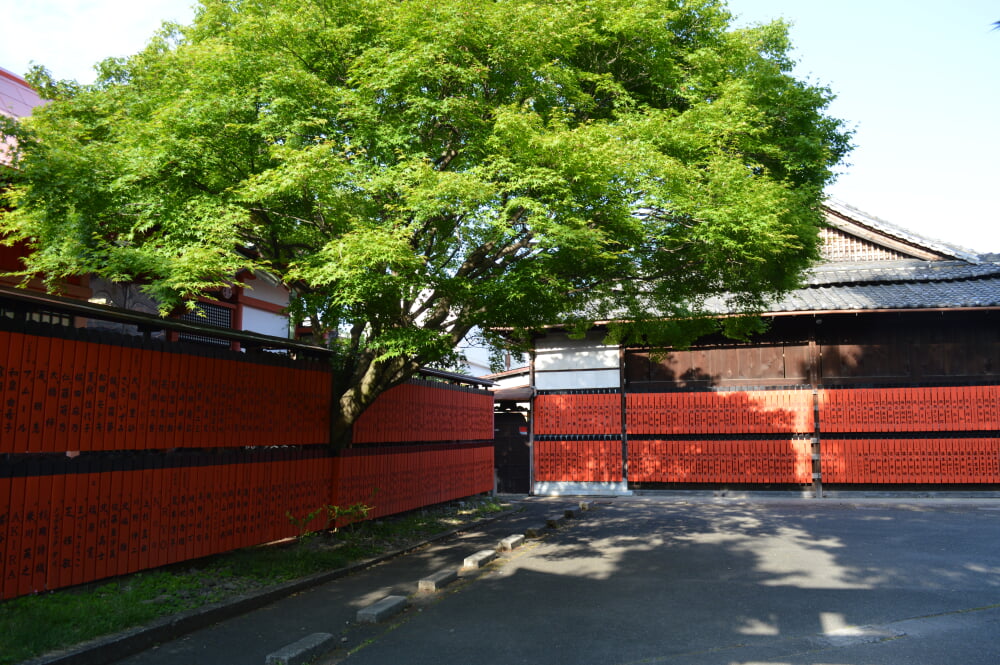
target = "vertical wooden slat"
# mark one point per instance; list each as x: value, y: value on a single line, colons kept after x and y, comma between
x: 57, y: 529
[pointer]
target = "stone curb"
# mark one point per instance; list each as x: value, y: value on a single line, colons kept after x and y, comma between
x: 299, y: 653
x: 535, y: 532
x: 438, y: 580
x: 511, y: 542
x: 109, y: 648
x: 382, y: 609
x: 479, y: 559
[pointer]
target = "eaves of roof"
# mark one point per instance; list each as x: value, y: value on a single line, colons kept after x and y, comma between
x: 882, y: 285
x: 905, y: 236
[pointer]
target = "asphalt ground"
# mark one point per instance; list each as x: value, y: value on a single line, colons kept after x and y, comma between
x: 664, y: 579
x: 654, y: 580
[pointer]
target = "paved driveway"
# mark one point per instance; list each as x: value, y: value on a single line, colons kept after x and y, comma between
x: 665, y: 580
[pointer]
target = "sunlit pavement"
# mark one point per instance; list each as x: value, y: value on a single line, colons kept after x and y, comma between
x: 730, y: 581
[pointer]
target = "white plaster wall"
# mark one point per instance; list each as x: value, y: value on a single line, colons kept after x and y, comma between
x: 262, y: 289
x: 562, y: 363
x: 580, y: 380
x: 265, y: 323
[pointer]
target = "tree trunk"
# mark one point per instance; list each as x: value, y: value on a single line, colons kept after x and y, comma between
x: 369, y: 380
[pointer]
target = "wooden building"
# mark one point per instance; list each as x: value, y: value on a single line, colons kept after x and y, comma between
x: 883, y: 369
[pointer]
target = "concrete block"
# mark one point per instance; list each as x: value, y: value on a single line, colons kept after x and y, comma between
x: 479, y: 559
x: 534, y: 532
x: 382, y: 610
x: 511, y: 542
x: 553, y: 524
x: 438, y: 580
x: 586, y: 505
x: 303, y: 651
x: 569, y: 514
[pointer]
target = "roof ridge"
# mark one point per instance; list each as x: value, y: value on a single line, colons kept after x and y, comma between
x: 907, y: 236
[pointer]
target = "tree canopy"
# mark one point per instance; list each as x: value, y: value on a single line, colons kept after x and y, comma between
x: 418, y: 168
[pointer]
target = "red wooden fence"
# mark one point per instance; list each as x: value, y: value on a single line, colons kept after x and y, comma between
x: 397, y: 479
x: 578, y: 461
x: 66, y: 525
x: 578, y: 413
x: 122, y: 455
x: 927, y: 461
x: 720, y: 461
x: 924, y: 409
x: 915, y: 435
x: 427, y: 411
x: 722, y: 412
x: 62, y: 395
x: 65, y: 528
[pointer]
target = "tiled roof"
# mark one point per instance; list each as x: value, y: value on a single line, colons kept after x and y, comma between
x: 911, y: 270
x: 909, y: 284
x: 984, y: 292
x: 963, y: 279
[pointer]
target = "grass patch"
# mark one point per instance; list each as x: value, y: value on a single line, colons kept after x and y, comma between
x: 33, y: 625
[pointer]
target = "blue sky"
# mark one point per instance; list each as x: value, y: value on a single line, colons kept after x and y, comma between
x: 919, y: 81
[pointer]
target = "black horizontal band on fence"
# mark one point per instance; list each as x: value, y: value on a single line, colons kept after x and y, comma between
x: 581, y: 391
x: 54, y: 464
x: 905, y: 435
x: 633, y: 389
x: 964, y: 383
x: 48, y: 464
x: 578, y: 437
x: 449, y: 386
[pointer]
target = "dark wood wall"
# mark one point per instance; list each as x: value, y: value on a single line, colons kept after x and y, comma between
x: 897, y: 348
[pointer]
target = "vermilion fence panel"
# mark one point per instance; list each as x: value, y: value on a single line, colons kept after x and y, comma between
x: 427, y: 411
x: 923, y: 409
x: 720, y: 412
x: 742, y: 461
x: 578, y: 461
x: 63, y: 395
x: 897, y: 461
x: 574, y: 414
x: 131, y: 454
x: 396, y: 479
